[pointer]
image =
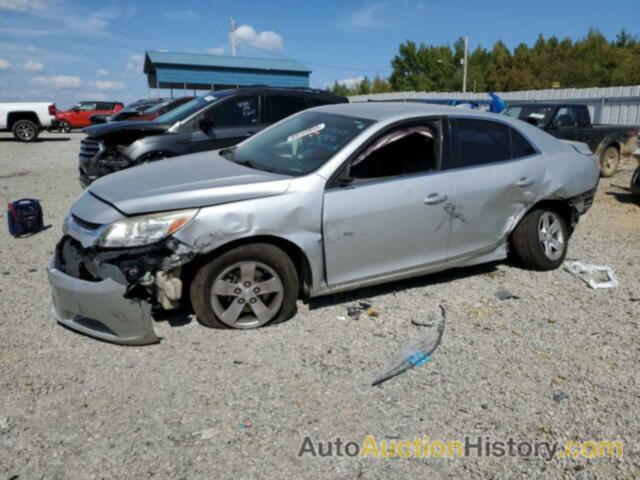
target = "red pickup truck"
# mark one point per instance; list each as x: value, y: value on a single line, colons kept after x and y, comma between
x: 78, y: 116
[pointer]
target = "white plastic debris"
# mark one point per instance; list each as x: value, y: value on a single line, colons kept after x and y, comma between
x: 588, y: 273
x: 206, y: 434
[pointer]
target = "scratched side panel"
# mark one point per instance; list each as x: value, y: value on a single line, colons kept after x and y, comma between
x: 295, y: 215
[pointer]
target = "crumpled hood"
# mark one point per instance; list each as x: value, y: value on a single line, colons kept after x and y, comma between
x: 102, y: 129
x: 190, y: 181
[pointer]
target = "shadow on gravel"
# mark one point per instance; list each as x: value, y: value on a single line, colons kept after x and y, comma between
x: 417, y: 282
x: 39, y: 140
x: 175, y: 318
x: 626, y: 197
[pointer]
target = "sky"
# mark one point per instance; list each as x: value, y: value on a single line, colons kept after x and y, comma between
x: 66, y: 51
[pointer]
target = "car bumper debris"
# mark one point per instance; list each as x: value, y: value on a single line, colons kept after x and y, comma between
x: 109, y: 294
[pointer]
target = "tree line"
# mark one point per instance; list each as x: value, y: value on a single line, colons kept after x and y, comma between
x: 592, y: 61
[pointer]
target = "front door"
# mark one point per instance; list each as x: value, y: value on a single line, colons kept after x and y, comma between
x: 230, y: 122
x: 391, y: 217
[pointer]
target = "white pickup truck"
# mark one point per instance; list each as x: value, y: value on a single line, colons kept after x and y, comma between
x: 26, y: 120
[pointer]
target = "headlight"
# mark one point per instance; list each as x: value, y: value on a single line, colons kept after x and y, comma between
x: 144, y: 230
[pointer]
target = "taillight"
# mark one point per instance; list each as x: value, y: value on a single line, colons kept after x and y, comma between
x: 631, y: 132
x: 52, y: 110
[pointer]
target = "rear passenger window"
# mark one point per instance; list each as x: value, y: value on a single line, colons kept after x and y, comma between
x: 282, y: 106
x: 482, y: 142
x: 104, y: 106
x: 519, y: 146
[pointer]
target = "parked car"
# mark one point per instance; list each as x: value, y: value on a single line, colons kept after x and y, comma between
x: 573, y: 122
x: 146, y: 112
x: 127, y: 113
x: 26, y: 120
x: 215, y: 120
x: 330, y: 199
x: 79, y: 115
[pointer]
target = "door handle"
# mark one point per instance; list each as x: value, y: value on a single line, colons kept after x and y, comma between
x: 435, y: 198
x: 525, y: 182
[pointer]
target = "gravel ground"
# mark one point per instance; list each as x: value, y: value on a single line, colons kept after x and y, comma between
x: 557, y: 364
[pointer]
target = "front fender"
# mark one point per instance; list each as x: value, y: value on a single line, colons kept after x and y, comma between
x: 170, y: 144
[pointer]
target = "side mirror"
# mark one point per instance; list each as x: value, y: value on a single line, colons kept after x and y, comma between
x: 343, y: 182
x: 205, y: 124
x: 76, y: 109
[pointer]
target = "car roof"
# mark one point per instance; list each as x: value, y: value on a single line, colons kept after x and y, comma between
x: 383, y: 110
x: 306, y: 91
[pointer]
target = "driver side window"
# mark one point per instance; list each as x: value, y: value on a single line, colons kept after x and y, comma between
x: 402, y: 151
x: 566, y: 118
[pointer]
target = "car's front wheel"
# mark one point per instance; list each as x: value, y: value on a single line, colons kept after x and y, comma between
x: 609, y: 161
x: 540, y: 240
x: 246, y: 287
x: 64, y: 126
x: 25, y: 131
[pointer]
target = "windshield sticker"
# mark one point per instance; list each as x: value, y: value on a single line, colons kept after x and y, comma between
x: 305, y: 133
x: 536, y: 115
x: 209, y: 98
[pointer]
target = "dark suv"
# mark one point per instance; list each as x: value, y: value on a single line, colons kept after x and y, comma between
x: 215, y: 120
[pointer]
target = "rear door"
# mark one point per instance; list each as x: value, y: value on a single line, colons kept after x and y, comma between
x: 495, y: 174
x: 80, y: 117
x: 232, y: 120
x: 392, y: 217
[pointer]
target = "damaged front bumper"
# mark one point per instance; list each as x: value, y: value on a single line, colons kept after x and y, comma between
x: 100, y: 309
x: 108, y: 294
x: 97, y: 160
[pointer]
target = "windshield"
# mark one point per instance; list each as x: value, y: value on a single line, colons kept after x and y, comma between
x: 537, y: 115
x: 160, y: 106
x: 299, y: 144
x: 187, y: 109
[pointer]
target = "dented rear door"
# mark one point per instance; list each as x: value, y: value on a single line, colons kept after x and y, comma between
x: 491, y: 189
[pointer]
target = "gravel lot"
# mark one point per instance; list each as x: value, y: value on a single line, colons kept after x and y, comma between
x: 559, y: 363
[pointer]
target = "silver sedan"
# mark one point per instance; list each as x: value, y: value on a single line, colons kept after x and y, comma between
x: 330, y: 199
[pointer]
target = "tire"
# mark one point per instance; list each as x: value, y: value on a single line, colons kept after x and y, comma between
x: 64, y: 126
x: 25, y: 131
x: 540, y: 240
x: 609, y: 161
x: 238, y: 273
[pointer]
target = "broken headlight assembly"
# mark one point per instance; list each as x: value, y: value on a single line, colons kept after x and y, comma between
x: 144, y: 230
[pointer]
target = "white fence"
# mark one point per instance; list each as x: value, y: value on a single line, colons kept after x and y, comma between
x: 613, y: 105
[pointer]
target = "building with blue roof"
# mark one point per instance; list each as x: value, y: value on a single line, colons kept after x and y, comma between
x: 198, y: 71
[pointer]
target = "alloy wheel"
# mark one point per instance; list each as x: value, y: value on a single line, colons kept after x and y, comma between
x: 247, y: 295
x: 551, y: 235
x: 25, y: 131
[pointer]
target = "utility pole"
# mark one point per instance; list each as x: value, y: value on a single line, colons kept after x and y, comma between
x: 232, y: 36
x: 464, y: 65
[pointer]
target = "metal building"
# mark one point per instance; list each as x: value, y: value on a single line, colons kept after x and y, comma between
x: 612, y: 105
x: 196, y: 71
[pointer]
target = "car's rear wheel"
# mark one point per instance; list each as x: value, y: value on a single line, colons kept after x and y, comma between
x: 246, y: 287
x: 540, y: 240
x: 609, y: 161
x: 25, y: 131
